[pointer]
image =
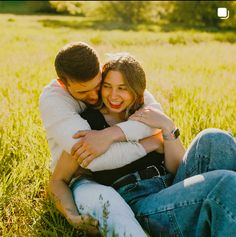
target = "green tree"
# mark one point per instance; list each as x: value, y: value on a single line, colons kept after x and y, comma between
x: 197, y: 13
x: 71, y: 7
x: 130, y: 12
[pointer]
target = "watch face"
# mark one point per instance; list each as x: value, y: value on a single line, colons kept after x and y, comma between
x: 176, y: 133
x: 172, y: 136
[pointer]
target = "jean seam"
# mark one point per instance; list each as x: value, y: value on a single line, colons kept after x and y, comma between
x: 146, y: 220
x: 197, y: 169
x: 171, y: 207
x: 225, y: 209
x: 174, y: 225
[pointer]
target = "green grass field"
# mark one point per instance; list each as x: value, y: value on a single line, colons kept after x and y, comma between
x: 192, y: 74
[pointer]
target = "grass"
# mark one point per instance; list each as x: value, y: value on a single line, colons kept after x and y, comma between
x: 192, y: 74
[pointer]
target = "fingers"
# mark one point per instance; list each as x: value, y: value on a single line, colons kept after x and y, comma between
x: 76, y: 146
x: 138, y: 116
x: 81, y: 154
x: 88, y: 220
x: 80, y: 134
x: 87, y: 224
x: 90, y: 225
x: 87, y: 161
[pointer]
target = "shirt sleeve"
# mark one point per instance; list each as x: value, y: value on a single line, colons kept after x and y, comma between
x: 61, y: 119
x: 118, y: 155
x: 135, y: 130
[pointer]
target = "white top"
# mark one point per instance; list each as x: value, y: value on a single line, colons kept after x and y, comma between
x: 61, y: 119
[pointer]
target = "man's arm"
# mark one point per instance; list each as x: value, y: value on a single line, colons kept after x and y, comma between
x: 59, y: 112
x: 61, y: 194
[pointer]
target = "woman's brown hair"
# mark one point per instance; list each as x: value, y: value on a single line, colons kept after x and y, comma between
x: 133, y: 75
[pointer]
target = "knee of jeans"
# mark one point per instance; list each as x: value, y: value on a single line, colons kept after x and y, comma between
x: 224, y: 175
x: 226, y: 180
x: 214, y: 136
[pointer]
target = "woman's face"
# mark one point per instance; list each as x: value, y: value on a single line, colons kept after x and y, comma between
x: 115, y: 94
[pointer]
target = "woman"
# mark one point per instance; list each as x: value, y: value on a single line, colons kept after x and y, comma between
x: 160, y: 199
x: 122, y: 93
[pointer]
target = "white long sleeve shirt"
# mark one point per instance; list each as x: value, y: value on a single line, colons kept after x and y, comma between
x: 61, y: 119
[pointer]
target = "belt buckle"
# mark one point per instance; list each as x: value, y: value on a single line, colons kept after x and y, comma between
x: 154, y: 170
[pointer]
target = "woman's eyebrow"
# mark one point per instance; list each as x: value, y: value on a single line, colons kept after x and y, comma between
x: 110, y: 84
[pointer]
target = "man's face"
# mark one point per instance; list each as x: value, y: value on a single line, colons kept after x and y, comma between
x: 85, y: 91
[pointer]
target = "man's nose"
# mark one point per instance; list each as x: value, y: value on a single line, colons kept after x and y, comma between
x: 93, y: 95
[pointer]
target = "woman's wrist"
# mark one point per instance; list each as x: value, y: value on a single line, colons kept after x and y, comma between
x: 168, y: 128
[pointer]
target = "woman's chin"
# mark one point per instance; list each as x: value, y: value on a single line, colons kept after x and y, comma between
x: 116, y: 110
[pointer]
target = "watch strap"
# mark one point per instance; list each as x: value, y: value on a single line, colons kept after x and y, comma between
x: 174, y: 134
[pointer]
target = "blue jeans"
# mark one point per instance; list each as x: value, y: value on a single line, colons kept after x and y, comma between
x: 200, y: 200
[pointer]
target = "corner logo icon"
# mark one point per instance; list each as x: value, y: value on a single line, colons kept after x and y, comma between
x: 223, y: 13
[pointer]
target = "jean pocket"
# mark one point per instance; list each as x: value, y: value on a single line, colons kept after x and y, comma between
x: 128, y: 188
x: 129, y: 192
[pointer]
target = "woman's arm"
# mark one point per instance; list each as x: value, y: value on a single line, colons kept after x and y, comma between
x: 173, y: 149
x: 60, y: 192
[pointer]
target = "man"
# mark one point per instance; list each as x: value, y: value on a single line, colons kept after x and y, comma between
x: 78, y: 83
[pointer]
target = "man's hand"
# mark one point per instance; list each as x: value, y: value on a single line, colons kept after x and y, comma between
x: 92, y: 144
x: 85, y: 223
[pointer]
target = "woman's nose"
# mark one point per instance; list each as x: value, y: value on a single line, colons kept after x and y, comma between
x: 113, y: 93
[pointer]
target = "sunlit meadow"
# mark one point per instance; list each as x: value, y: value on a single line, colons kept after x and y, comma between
x: 192, y: 74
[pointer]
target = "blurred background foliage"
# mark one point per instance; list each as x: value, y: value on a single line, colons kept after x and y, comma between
x: 187, y: 14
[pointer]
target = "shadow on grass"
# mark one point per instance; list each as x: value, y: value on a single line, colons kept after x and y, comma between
x: 172, y: 27
x: 92, y: 24
x: 95, y: 24
x: 221, y: 35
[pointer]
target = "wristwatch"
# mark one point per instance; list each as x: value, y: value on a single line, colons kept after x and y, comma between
x: 174, y: 134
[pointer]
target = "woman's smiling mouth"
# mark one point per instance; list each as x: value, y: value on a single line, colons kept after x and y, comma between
x: 115, y: 105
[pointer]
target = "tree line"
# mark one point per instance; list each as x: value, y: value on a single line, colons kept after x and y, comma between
x: 185, y: 13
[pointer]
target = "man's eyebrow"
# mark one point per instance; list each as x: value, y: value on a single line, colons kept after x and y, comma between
x: 98, y: 85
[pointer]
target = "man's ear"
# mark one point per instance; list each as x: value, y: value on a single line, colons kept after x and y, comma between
x: 61, y: 83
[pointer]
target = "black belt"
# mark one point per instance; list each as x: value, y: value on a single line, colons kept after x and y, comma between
x: 147, y: 173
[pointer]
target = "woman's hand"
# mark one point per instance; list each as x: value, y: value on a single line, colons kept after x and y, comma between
x: 153, y: 118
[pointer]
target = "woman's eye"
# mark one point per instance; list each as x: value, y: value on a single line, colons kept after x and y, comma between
x: 105, y: 86
x: 123, y: 88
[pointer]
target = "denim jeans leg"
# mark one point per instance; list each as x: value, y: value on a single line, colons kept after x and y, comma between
x: 103, y: 203
x: 212, y: 149
x: 200, y: 206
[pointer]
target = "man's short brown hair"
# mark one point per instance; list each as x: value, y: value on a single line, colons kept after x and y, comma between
x: 78, y: 62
